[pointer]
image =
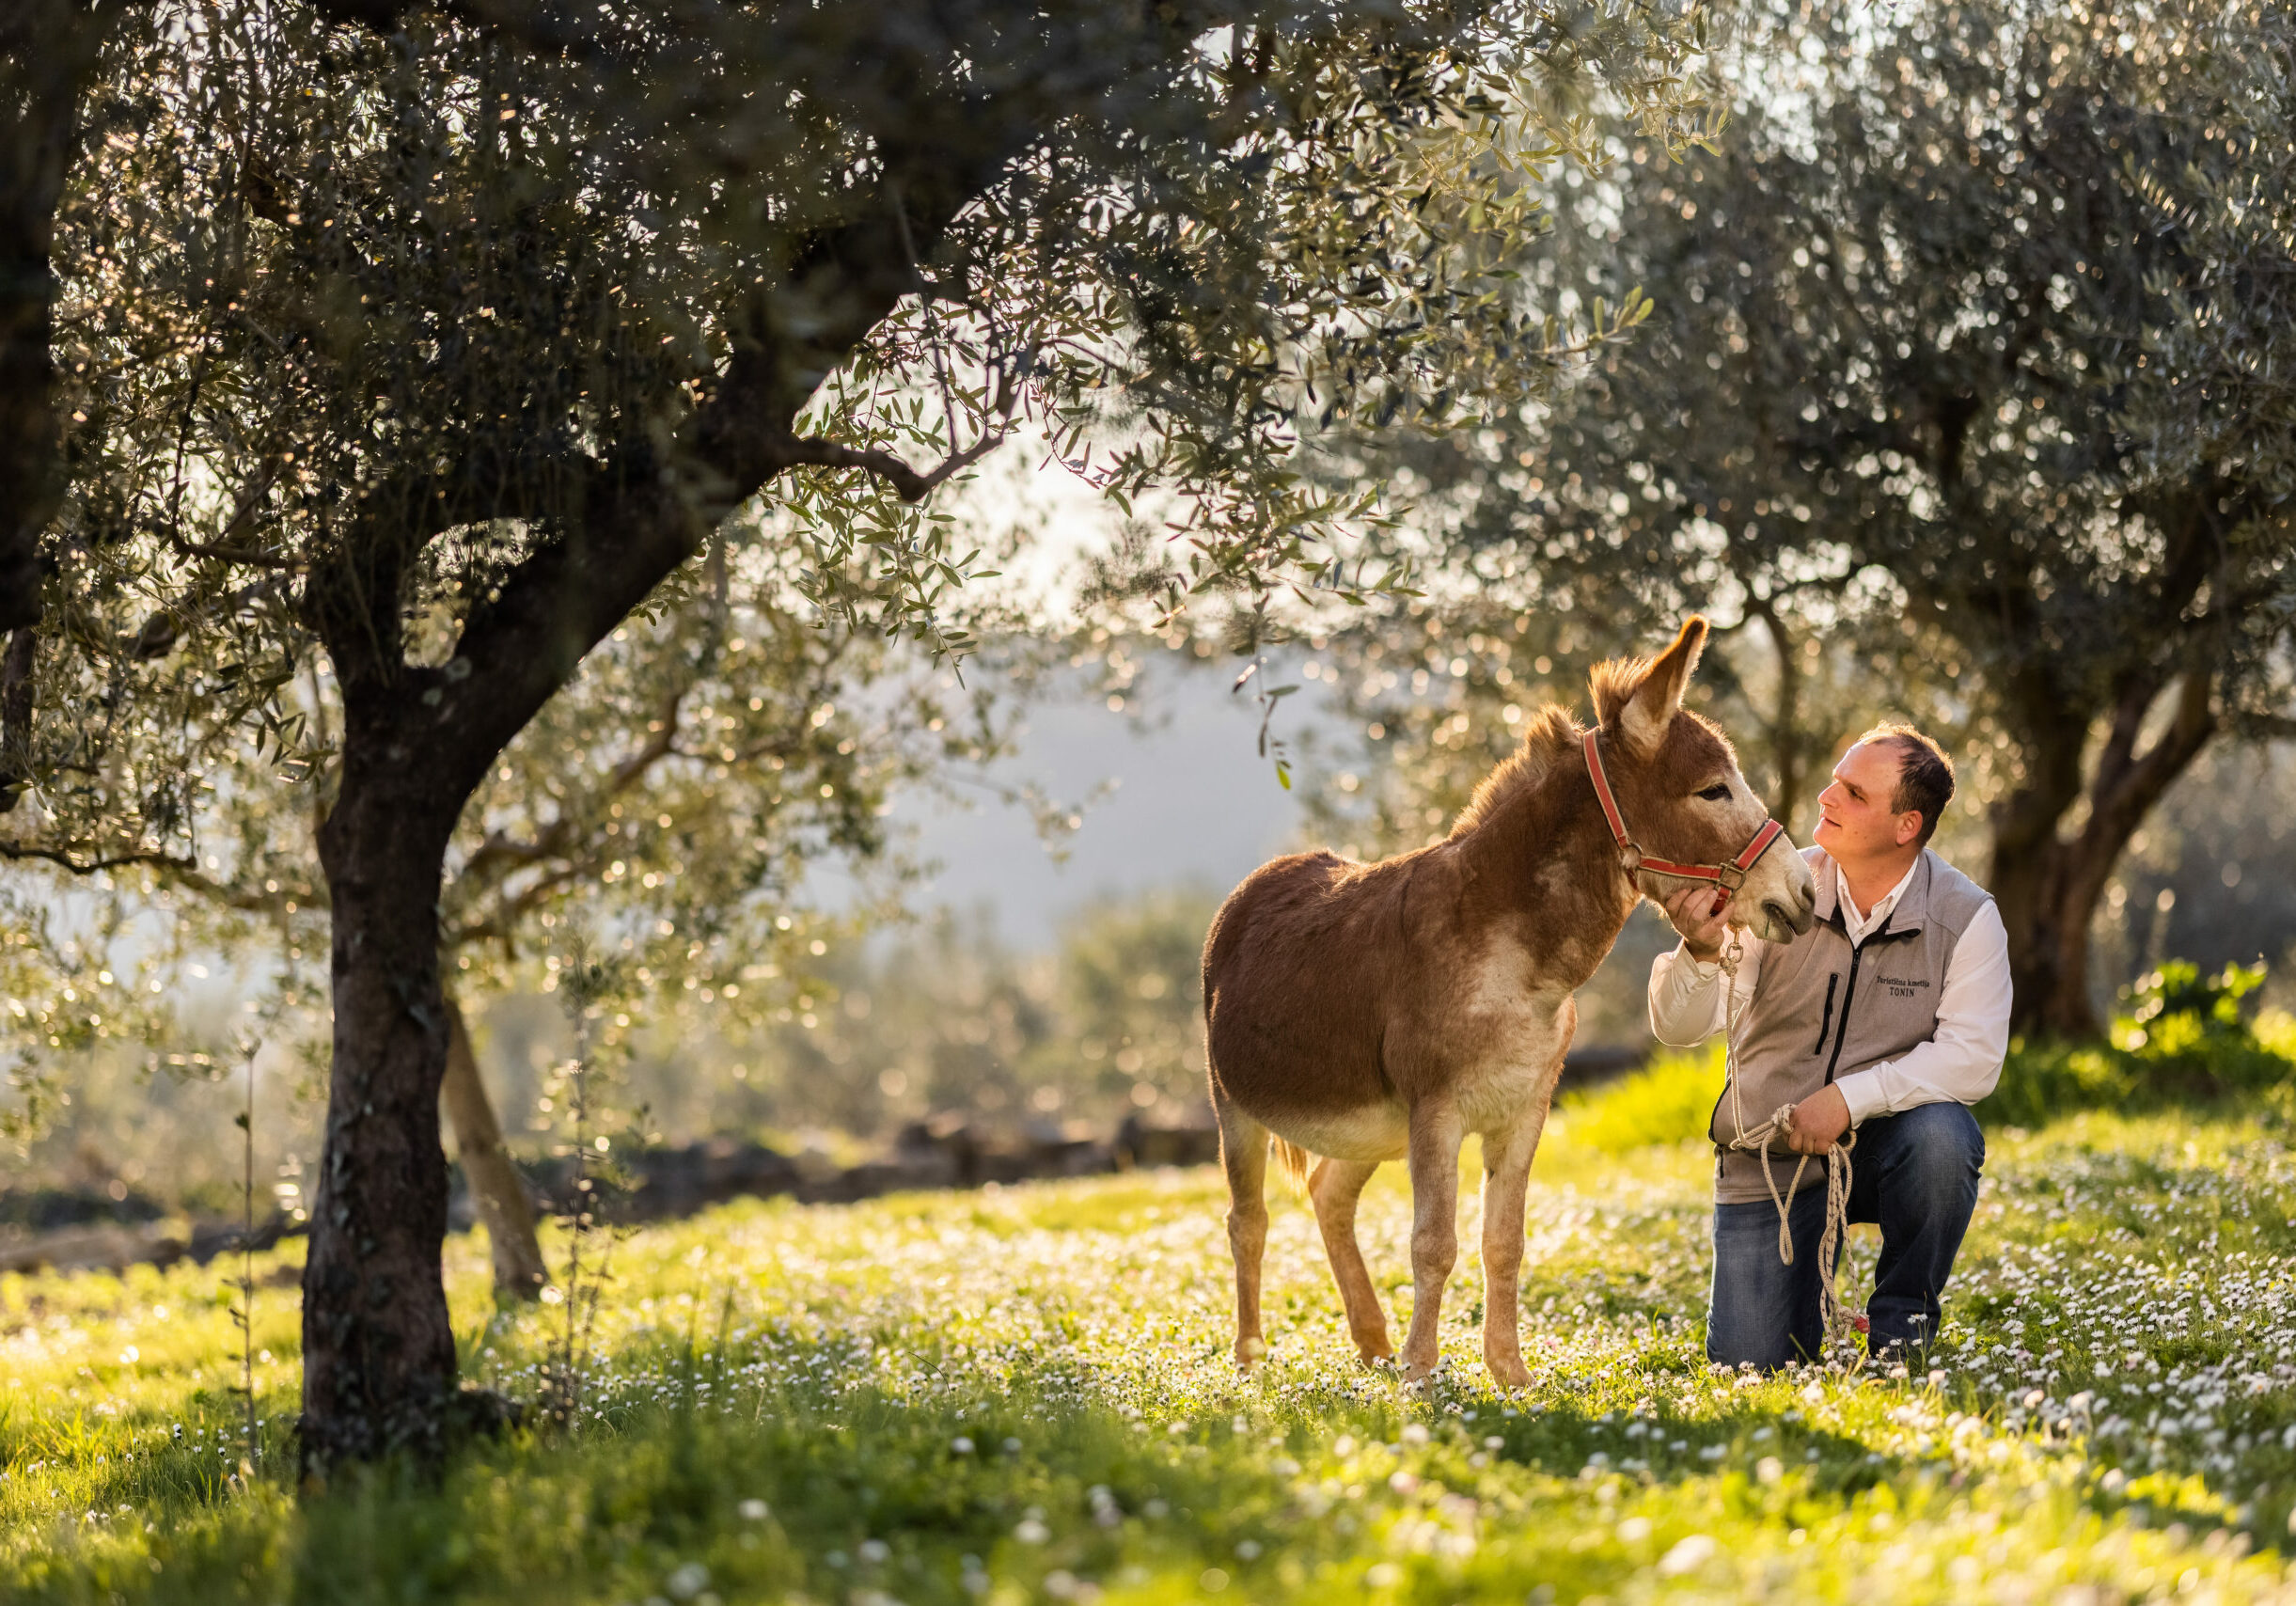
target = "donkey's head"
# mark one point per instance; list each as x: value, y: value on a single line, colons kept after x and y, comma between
x: 1678, y: 785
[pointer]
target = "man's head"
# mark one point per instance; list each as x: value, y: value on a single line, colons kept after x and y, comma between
x: 1889, y: 790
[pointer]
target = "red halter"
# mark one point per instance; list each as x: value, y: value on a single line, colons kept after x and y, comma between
x: 1732, y: 876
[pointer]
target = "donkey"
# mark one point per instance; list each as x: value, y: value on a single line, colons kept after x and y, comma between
x: 1362, y: 1012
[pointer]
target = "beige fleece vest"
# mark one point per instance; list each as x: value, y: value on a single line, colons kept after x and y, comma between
x: 1822, y: 1009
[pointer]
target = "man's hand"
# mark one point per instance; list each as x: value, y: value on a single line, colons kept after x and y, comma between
x: 1700, y: 912
x: 1820, y: 1121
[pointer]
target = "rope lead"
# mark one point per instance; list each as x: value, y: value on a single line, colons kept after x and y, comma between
x: 1837, y: 1322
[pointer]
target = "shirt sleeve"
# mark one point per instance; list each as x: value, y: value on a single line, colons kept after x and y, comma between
x: 1688, y: 1001
x: 1962, y: 1061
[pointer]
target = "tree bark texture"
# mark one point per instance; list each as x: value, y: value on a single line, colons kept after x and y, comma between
x: 2046, y: 880
x: 16, y: 666
x: 48, y: 50
x: 495, y: 1188
x: 1794, y: 740
x: 378, y: 1353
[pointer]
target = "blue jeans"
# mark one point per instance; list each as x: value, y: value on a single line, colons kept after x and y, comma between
x: 1915, y: 1174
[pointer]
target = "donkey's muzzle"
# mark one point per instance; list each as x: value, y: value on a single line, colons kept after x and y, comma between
x: 1796, y: 914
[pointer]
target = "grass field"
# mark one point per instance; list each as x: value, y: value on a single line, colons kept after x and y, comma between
x: 1024, y: 1395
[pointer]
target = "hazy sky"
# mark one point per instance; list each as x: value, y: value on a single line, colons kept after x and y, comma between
x: 1192, y: 803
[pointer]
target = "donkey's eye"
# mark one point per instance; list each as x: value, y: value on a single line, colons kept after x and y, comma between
x: 1716, y: 794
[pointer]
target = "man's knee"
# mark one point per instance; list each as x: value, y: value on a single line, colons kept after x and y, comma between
x: 1939, y: 1150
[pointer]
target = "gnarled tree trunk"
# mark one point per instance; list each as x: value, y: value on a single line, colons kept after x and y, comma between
x: 378, y: 1352
x: 2047, y: 891
x: 1799, y: 737
x: 2046, y: 880
x: 496, y: 1189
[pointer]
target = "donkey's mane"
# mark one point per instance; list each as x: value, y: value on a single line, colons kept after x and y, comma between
x: 1551, y: 733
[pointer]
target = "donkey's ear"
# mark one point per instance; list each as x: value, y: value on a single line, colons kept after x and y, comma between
x: 1655, y: 702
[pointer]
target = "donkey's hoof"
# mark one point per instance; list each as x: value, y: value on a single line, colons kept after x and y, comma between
x: 1247, y: 1353
x: 1508, y: 1371
x: 1379, y: 1354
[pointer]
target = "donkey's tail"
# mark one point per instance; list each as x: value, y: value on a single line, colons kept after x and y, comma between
x: 1291, y: 1160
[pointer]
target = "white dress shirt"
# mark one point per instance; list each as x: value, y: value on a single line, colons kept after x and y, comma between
x: 1959, y: 1064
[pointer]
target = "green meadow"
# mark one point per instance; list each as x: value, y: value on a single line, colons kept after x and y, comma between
x: 1024, y: 1394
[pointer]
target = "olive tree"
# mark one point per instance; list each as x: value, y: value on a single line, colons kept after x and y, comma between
x: 429, y: 345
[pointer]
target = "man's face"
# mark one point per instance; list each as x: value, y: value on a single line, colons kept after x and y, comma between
x: 1855, y: 819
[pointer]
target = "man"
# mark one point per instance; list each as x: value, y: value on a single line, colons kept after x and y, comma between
x: 1890, y: 1017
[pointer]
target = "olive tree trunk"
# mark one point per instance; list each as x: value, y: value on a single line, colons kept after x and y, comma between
x: 2047, y: 876
x: 48, y: 53
x: 378, y: 1352
x: 496, y: 1189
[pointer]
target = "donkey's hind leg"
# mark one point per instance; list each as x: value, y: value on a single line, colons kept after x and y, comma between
x: 1335, y: 1187
x: 1243, y: 1152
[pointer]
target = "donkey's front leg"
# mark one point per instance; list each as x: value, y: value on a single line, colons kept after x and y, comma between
x: 1506, y: 1157
x: 1435, y: 1133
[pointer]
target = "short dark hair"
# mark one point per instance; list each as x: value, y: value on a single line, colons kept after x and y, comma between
x: 1925, y: 774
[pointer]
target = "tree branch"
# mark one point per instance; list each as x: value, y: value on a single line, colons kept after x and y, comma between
x: 637, y: 523
x: 62, y: 857
x: 2270, y: 727
x: 224, y: 546
x: 2131, y: 793
x: 511, y: 910
x: 176, y: 869
x: 799, y: 451
x: 2133, y: 701
x: 248, y: 555
x: 499, y: 850
x: 158, y: 635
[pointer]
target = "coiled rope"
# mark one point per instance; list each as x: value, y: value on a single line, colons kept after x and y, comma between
x: 1837, y: 1322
